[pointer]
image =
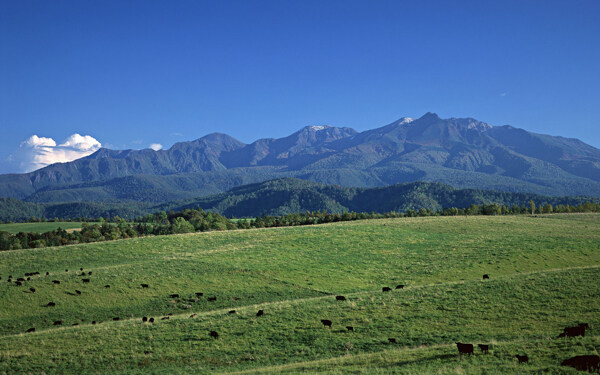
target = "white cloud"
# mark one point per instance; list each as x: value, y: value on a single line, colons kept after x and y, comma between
x: 38, y: 152
x: 156, y: 146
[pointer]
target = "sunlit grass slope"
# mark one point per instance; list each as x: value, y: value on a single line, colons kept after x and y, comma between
x: 38, y: 227
x: 544, y: 274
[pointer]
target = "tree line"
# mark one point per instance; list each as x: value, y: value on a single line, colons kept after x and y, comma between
x: 197, y: 220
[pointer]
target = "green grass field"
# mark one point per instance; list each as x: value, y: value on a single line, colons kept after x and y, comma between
x: 38, y: 227
x: 544, y: 275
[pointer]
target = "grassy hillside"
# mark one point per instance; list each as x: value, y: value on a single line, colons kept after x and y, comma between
x: 544, y: 272
x: 38, y: 227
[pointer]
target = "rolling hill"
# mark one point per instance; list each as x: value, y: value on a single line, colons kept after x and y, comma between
x: 462, y: 152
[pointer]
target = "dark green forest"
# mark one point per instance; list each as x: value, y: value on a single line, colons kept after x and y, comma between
x: 290, y: 195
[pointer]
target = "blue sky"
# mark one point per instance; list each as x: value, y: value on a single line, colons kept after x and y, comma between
x: 135, y: 73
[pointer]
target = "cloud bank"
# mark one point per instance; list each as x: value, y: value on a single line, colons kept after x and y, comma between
x: 38, y: 152
x: 156, y: 146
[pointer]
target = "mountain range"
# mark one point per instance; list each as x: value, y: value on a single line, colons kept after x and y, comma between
x: 461, y: 152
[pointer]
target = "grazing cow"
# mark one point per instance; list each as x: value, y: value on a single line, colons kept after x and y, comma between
x: 77, y: 291
x: 93, y: 322
x: 484, y: 348
x: 82, y: 274
x: 232, y: 311
x: 573, y: 331
x: 147, y: 352
x: 107, y: 286
x: 66, y: 270
x: 18, y: 283
x: 58, y: 323
x: 32, y: 290
x: 583, y: 362
x: 260, y: 313
x: 145, y: 286
x: 340, y: 298
x: 55, y: 282
x: 212, y: 299
x: 47, y: 273
x: 144, y: 319
x: 116, y: 318
x: 326, y: 322
x: 85, y: 281
x: 151, y: 320
x: 214, y: 334
x: 51, y: 304
x: 90, y: 273
x: 20, y: 279
x: 199, y: 294
x: 193, y: 316
x: 29, y: 278
x: 486, y: 276
x: 386, y: 289
x: 81, y: 269
x: 464, y: 348
x: 400, y: 286
x: 392, y: 340
x: 164, y: 318
x: 350, y: 328
x: 522, y: 358
x: 75, y: 324
x: 170, y: 314
x: 174, y: 295
x: 30, y: 330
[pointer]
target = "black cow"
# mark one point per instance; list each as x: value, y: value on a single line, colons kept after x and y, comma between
x: 66, y: 270
x: 116, y: 319
x: 90, y: 273
x: 386, y: 289
x: 164, y: 318
x: 574, y: 331
x: 151, y: 320
x: 260, y: 313
x: 32, y: 290
x: 400, y: 286
x: 18, y: 283
x: 47, y: 273
x: 30, y: 330
x: 85, y: 281
x: 77, y: 291
x: 392, y: 340
x: 51, y: 304
x: 326, y: 322
x: 522, y: 358
x: 81, y: 269
x: 232, y: 311
x: 350, y: 328
x: 20, y: 279
x: 212, y: 299
x: 75, y: 324
x: 58, y: 323
x: 464, y: 348
x: 214, y: 334
x: 55, y: 282
x: 107, y: 286
x: 583, y: 362
x: 486, y: 276
x: 199, y: 294
x: 144, y: 319
x: 193, y: 316
x: 93, y: 322
x: 174, y: 295
x: 145, y: 286
x: 484, y: 347
x: 340, y: 298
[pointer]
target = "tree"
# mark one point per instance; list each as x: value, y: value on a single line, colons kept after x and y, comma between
x: 532, y: 206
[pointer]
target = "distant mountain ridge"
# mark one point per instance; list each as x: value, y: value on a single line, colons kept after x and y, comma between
x: 291, y: 195
x: 462, y: 152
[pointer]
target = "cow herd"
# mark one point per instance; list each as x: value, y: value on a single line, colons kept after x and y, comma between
x: 581, y: 362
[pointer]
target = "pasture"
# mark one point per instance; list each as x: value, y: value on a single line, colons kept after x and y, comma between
x: 544, y: 275
x: 38, y: 227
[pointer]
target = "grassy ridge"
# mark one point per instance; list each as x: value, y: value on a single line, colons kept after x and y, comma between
x: 543, y: 271
x: 38, y: 227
